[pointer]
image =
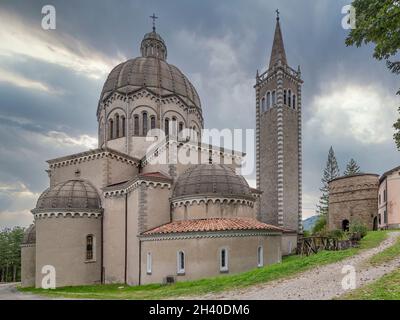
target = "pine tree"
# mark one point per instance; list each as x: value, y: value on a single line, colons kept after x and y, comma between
x: 331, y: 171
x: 352, y: 168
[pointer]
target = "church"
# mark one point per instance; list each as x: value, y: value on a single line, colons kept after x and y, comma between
x: 153, y: 204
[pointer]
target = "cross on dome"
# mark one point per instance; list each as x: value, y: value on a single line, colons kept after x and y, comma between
x: 153, y: 17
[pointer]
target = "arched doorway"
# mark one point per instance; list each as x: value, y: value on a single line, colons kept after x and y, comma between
x: 375, y: 226
x: 345, y: 225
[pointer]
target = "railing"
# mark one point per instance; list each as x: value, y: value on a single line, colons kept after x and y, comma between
x: 310, y: 245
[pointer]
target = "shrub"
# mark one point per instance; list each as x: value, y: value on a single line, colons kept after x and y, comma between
x: 339, y: 234
x: 320, y: 225
x: 306, y: 233
x: 359, y: 228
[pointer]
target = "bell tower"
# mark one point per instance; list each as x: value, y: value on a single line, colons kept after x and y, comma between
x: 278, y: 139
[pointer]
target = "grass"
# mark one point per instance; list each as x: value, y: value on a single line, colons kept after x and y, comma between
x: 386, y: 255
x: 290, y: 266
x: 386, y: 288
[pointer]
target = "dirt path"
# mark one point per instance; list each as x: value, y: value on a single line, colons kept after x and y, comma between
x: 8, y: 291
x: 321, y: 283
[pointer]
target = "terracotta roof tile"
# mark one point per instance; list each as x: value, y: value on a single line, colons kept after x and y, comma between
x: 212, y: 224
x: 154, y: 175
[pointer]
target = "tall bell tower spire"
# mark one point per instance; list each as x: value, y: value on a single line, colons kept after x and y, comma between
x: 278, y: 139
x: 278, y: 48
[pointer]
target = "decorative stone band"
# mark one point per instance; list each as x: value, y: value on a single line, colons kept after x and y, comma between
x: 147, y: 93
x: 178, y: 202
x: 350, y: 188
x: 272, y: 71
x: 28, y: 245
x: 129, y: 186
x: 208, y: 234
x: 92, y: 155
x: 39, y: 214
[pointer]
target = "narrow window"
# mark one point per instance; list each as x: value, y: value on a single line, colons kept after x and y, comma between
x: 144, y: 123
x: 385, y: 218
x: 111, y: 124
x: 289, y: 98
x: 166, y: 127
x: 181, y: 262
x: 174, y: 127
x: 263, y: 104
x: 89, y: 247
x: 117, y: 125
x: 180, y: 126
x: 136, y: 125
x: 284, y: 97
x: 384, y: 195
x: 123, y: 126
x: 294, y: 101
x: 268, y: 100
x: 379, y: 199
x: 148, y: 263
x: 260, y: 256
x: 153, y: 122
x: 273, y: 98
x: 223, y: 260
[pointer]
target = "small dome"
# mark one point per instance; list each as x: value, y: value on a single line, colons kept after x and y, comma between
x: 78, y: 195
x: 29, y: 235
x: 211, y: 180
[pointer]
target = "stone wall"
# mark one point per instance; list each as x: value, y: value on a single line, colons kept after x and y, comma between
x: 353, y: 198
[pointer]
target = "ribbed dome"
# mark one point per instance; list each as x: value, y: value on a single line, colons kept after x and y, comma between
x: 78, y: 195
x: 212, y: 180
x: 29, y: 235
x: 155, y: 74
x: 151, y: 71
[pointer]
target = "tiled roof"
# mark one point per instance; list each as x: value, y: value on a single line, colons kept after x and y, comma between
x: 212, y: 224
x: 158, y: 175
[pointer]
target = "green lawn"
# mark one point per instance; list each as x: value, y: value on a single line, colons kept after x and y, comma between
x: 290, y: 266
x: 386, y: 255
x: 386, y: 288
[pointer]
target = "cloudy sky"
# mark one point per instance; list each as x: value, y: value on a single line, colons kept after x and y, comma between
x: 50, y: 80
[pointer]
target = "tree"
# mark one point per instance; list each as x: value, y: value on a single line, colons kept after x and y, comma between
x: 10, y: 254
x: 331, y: 171
x: 378, y: 22
x: 352, y: 168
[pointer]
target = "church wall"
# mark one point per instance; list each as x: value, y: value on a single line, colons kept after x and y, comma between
x: 291, y: 167
x: 28, y: 265
x: 114, y: 239
x: 204, y: 210
x: 61, y: 242
x: 134, y: 206
x: 202, y: 256
x: 289, y: 243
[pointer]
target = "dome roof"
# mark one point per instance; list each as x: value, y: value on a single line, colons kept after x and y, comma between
x: 29, y: 235
x: 212, y: 180
x: 151, y: 71
x: 78, y: 195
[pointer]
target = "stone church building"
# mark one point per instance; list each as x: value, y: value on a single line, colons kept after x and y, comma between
x: 132, y: 211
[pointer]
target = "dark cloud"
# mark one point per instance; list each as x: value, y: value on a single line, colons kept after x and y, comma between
x: 218, y: 44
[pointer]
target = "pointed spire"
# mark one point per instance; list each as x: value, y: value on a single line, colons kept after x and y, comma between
x: 278, y: 49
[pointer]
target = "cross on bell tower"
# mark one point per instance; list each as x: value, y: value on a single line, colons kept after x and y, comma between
x: 153, y: 17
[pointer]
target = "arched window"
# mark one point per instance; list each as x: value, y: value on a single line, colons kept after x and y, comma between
x: 263, y: 104
x: 123, y: 126
x: 117, y: 125
x: 174, y: 127
x: 294, y: 101
x: 90, y: 244
x: 223, y: 260
x: 289, y: 98
x: 166, y: 127
x: 180, y: 126
x: 148, y: 263
x: 273, y: 98
x: 260, y: 256
x: 144, y: 123
x: 268, y: 100
x: 180, y: 262
x: 111, y: 127
x: 284, y: 97
x: 152, y: 122
x: 136, y: 125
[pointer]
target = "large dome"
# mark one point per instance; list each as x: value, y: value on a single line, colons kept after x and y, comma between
x: 151, y: 71
x: 77, y: 195
x: 211, y: 180
x: 29, y: 235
